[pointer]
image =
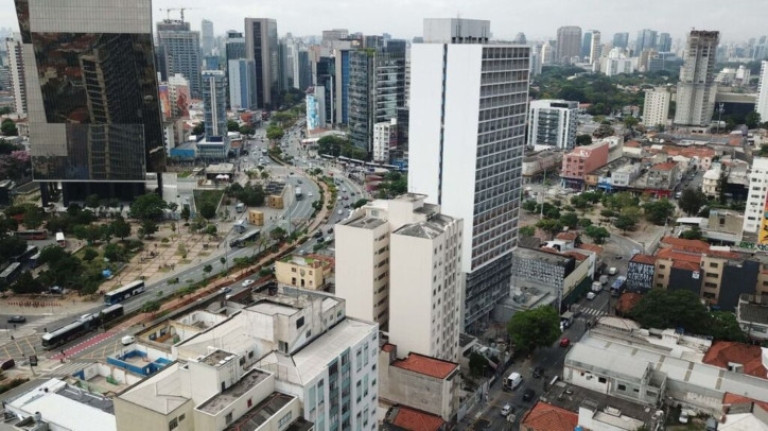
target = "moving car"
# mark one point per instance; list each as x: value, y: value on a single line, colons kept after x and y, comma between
x: 565, y: 342
x: 128, y: 339
x: 612, y: 271
x: 591, y: 295
x: 248, y: 283
x: 17, y: 319
x: 529, y: 394
x: 506, y: 410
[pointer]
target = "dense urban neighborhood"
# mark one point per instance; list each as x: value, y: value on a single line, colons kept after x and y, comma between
x: 253, y: 230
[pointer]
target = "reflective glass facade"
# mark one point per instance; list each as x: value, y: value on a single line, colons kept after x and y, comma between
x: 94, y: 107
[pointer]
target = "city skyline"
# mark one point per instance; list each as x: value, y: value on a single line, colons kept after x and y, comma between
x: 537, y: 20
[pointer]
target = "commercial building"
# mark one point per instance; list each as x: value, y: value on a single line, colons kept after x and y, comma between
x: 242, y: 82
x: 656, y: 107
x: 214, y: 104
x: 553, y: 123
x: 581, y: 161
x: 754, y: 220
x: 376, y: 89
x: 568, y: 44
x: 538, y: 163
x: 181, y: 49
x: 470, y: 149
x: 664, y: 43
x: 696, y: 89
x: 384, y: 140
x: 616, y: 62
x: 101, y: 133
x: 595, y: 49
x: 762, y: 88
x: 620, y: 40
x: 262, y: 46
x: 646, y: 40
x: 206, y: 30
x: 13, y: 48
x: 289, y: 62
x: 619, y: 359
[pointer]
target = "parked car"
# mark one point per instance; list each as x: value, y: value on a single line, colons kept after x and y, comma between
x: 591, y: 295
x: 17, y: 319
x: 565, y: 342
x: 683, y: 416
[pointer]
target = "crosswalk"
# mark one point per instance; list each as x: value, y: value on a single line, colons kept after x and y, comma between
x: 587, y: 311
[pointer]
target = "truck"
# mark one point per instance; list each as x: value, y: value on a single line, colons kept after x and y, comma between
x: 298, y: 192
x: 566, y: 319
x: 618, y: 285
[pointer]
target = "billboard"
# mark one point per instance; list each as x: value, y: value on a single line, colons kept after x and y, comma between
x: 165, y: 101
x: 762, y: 236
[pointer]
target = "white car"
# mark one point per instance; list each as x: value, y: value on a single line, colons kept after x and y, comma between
x: 247, y: 283
x: 591, y: 295
x: 683, y: 416
x: 506, y: 410
x: 341, y: 212
x: 128, y: 339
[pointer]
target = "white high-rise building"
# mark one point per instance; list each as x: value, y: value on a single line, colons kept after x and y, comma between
x: 755, y: 210
x: 426, y: 286
x: 16, y: 67
x: 595, y: 49
x: 762, y: 98
x: 553, y: 123
x: 656, y: 107
x: 242, y: 80
x: 467, y: 139
x: 696, y: 89
x: 384, y: 139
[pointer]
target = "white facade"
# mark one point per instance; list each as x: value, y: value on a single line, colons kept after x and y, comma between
x: 467, y: 151
x: 696, y: 89
x: 456, y: 30
x: 384, y: 139
x: 595, y: 49
x: 762, y: 98
x: 656, y: 107
x: 16, y: 67
x: 553, y: 123
x: 758, y: 184
x: 616, y: 62
x: 711, y: 181
x: 363, y: 253
x: 426, y: 288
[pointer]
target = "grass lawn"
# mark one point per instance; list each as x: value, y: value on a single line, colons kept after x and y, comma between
x: 208, y: 196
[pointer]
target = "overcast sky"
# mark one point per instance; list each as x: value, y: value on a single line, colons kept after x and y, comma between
x: 538, y: 19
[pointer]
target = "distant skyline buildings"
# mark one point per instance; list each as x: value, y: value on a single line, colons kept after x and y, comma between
x: 179, y: 49
x: 568, y: 43
x: 262, y: 46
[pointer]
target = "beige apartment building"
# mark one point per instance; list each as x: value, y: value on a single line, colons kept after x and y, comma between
x: 303, y: 272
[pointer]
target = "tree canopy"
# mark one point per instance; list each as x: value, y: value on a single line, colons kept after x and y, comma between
x: 691, y: 201
x: 534, y: 328
x: 148, y: 207
x: 659, y: 211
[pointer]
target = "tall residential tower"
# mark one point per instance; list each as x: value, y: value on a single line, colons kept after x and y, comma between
x: 181, y: 49
x: 568, y: 43
x: 262, y: 46
x: 696, y: 89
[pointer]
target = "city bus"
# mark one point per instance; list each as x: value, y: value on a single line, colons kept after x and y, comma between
x: 618, y: 285
x: 81, y: 326
x: 121, y: 294
x: 31, y: 251
x: 245, y: 240
x: 32, y: 234
x: 11, y: 273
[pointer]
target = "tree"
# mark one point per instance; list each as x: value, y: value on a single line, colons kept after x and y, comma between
x: 147, y: 228
x: 624, y: 223
x: 89, y: 254
x: 120, y: 228
x: 569, y: 219
x: 92, y: 201
x: 11, y: 246
x: 207, y: 269
x: 150, y: 306
x: 477, y: 364
x: 148, y: 207
x: 583, y: 140
x: 211, y: 230
x: 33, y: 217
x: 597, y: 233
x: 692, y: 233
x: 752, y: 120
x: 620, y: 200
x: 114, y: 252
x: 232, y: 126
x: 659, y: 211
x: 26, y: 284
x: 278, y: 234
x: 530, y: 205
x: 660, y: 308
x: 275, y: 133
x: 527, y: 230
x: 208, y: 210
x: 534, y: 328
x: 199, y: 129
x: 185, y: 213
x: 358, y: 203
x: 246, y: 130
x: 724, y: 326
x: 584, y: 222
x: 691, y: 201
x: 8, y: 128
x: 551, y: 226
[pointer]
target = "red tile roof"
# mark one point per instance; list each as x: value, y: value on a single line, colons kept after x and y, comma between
x: 415, y: 420
x: 668, y: 253
x: 633, y: 144
x: 668, y: 166
x: 388, y: 347
x: 546, y: 417
x: 730, y: 398
x: 643, y: 258
x: 567, y: 236
x: 723, y: 352
x: 426, y: 365
x: 686, y: 244
x: 576, y: 255
x: 686, y: 266
x: 723, y: 254
x: 592, y: 247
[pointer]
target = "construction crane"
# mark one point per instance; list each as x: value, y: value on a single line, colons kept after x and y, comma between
x: 180, y: 9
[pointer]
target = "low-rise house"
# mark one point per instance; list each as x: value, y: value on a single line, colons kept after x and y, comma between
x: 304, y: 272
x: 752, y: 315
